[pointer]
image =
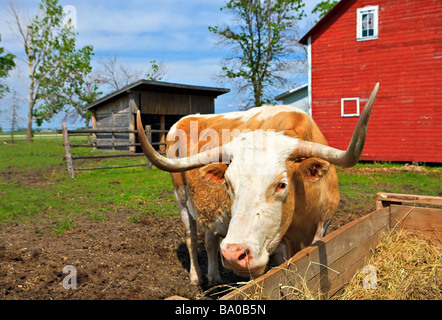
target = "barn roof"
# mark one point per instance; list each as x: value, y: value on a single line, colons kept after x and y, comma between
x: 324, y: 20
x: 156, y: 86
x: 290, y: 92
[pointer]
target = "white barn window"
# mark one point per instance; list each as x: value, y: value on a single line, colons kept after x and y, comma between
x: 367, y: 23
x: 350, y: 107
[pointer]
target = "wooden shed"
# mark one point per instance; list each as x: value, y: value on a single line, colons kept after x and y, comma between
x: 395, y: 43
x: 161, y: 105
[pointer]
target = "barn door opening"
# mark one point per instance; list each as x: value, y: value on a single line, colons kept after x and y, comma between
x: 157, y: 122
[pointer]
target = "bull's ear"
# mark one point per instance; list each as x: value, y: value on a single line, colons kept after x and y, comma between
x: 213, y: 173
x: 314, y: 169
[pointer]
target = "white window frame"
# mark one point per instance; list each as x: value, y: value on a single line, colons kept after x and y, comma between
x: 360, y: 12
x: 345, y: 115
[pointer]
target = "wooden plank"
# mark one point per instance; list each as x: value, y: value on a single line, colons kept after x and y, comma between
x: 176, y: 298
x: 114, y: 167
x: 104, y: 156
x: 331, y: 278
x: 148, y: 132
x: 331, y: 282
x: 385, y: 199
x: 425, y: 221
x: 69, y: 158
x: 94, y: 125
x: 132, y: 110
x: 416, y: 218
x: 116, y: 145
x: 163, y: 135
x: 111, y: 130
x: 309, y: 263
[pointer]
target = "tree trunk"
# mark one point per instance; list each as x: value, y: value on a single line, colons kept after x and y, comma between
x: 88, y: 119
x: 29, y: 127
x: 257, y: 93
x: 31, y: 105
x: 13, y: 120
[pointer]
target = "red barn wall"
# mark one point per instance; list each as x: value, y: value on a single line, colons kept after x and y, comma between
x: 406, y: 121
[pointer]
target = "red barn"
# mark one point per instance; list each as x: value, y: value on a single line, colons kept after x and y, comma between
x: 396, y: 43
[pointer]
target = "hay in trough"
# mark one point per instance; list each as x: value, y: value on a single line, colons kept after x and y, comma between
x: 407, y: 267
x: 404, y: 266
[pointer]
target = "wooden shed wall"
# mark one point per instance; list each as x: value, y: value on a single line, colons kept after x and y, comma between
x: 174, y: 104
x: 159, y: 109
x: 406, y: 122
x: 114, y: 114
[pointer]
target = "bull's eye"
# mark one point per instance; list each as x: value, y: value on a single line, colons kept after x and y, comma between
x: 281, y: 186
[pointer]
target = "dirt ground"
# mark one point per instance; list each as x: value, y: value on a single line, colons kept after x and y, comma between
x: 115, y: 259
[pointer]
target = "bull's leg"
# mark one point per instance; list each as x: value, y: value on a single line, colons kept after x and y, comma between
x: 192, y: 245
x: 212, y: 246
x: 281, y: 253
x: 322, y: 230
x: 191, y: 236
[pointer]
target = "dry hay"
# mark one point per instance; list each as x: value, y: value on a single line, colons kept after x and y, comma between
x: 408, y: 267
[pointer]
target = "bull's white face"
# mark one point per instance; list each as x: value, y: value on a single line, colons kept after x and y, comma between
x: 258, y: 185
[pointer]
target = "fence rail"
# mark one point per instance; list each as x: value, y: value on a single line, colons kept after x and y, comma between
x: 69, y: 158
x: 98, y: 131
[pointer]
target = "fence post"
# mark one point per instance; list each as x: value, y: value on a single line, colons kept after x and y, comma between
x: 148, y: 130
x: 67, y: 147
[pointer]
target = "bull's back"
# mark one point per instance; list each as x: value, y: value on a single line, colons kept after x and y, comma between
x: 294, y: 122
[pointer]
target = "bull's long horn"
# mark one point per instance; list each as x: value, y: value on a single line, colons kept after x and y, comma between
x: 175, y: 165
x: 347, y: 158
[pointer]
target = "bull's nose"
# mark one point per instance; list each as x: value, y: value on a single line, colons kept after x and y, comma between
x: 236, y: 257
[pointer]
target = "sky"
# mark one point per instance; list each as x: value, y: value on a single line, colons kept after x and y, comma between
x: 138, y: 31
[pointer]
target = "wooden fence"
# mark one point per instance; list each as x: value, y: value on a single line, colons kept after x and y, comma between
x: 94, y: 144
x: 328, y: 264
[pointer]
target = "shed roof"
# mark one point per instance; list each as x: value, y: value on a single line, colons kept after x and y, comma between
x: 322, y: 21
x: 290, y: 92
x: 156, y: 86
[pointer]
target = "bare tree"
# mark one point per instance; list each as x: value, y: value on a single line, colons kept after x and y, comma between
x: 14, y: 100
x: 117, y: 75
x: 14, y: 116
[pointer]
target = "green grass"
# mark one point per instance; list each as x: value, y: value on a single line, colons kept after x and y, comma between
x: 361, y: 188
x: 34, y: 185
x: 64, y: 225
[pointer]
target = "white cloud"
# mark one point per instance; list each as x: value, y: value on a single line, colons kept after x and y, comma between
x: 173, y: 31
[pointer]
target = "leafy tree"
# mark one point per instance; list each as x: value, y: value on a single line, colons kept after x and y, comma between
x: 6, y: 64
x: 157, y: 71
x: 324, y: 7
x: 74, y: 86
x: 262, y: 42
x: 50, y: 55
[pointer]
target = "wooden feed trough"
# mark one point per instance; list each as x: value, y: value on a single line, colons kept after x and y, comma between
x: 327, y: 265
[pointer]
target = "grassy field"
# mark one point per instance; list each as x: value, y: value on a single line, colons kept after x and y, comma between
x: 34, y: 184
